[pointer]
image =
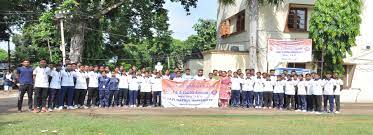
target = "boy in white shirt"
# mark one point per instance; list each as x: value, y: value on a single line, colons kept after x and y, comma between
x: 55, y: 86
x: 187, y: 75
x: 80, y: 87
x: 93, y: 87
x: 133, y: 87
x: 258, y: 90
x: 247, y: 91
x: 67, y: 87
x: 123, y: 88
x: 309, y: 97
x: 278, y: 93
x: 145, y: 90
x: 317, y: 86
x: 178, y: 77
x: 329, y: 88
x: 268, y: 91
x: 41, y: 77
x: 290, y: 92
x: 157, y: 89
x: 337, y: 92
x: 235, y: 90
x: 199, y: 75
x: 302, y: 92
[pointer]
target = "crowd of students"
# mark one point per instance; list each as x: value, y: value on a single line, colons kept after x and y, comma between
x: 67, y: 87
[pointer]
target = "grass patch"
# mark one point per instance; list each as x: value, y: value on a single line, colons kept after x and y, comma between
x: 112, y: 124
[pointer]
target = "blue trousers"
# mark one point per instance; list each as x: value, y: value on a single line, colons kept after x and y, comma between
x: 104, y: 98
x: 302, y: 103
x: 133, y: 96
x: 329, y: 98
x: 53, y: 98
x: 157, y: 96
x: 247, y: 98
x: 69, y: 91
x: 235, y: 98
x: 258, y: 97
x: 278, y: 99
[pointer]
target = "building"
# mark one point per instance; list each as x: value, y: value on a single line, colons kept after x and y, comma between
x: 243, y: 41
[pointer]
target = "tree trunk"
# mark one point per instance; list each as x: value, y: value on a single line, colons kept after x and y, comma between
x: 253, y: 18
x: 77, y: 42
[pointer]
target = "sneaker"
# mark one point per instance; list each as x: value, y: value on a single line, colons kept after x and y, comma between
x: 337, y: 112
x: 70, y: 108
x: 60, y: 108
x: 317, y: 113
x: 304, y: 110
x: 19, y: 111
x: 35, y: 110
x: 43, y: 109
x: 260, y: 107
x: 298, y: 110
x: 85, y: 107
x: 269, y: 107
x: 76, y: 106
x: 50, y: 110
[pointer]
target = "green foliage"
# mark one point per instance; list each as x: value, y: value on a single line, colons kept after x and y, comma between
x: 3, y: 55
x: 334, y: 26
x: 232, y: 2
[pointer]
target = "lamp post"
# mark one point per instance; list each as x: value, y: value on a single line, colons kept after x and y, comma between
x: 60, y: 16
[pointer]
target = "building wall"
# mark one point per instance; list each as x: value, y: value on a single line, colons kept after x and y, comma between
x: 194, y: 65
x: 225, y: 60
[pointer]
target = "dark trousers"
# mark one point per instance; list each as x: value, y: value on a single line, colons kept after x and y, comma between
x: 290, y: 102
x: 133, y: 97
x: 40, y: 97
x: 267, y: 97
x: 278, y: 99
x: 317, y: 102
x: 92, y: 96
x: 337, y: 103
x: 329, y: 98
x: 114, y: 94
x: 67, y: 91
x: 258, y: 97
x: 302, y: 103
x: 247, y: 99
x: 123, y: 97
x: 235, y: 98
x: 79, y: 97
x: 145, y: 98
x: 22, y: 90
x: 53, y: 98
x: 309, y: 100
x: 157, y: 98
x: 104, y: 98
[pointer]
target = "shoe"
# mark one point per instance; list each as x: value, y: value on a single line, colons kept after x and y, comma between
x: 19, y: 111
x: 60, y: 108
x: 269, y: 107
x: 337, y: 112
x: 85, y: 107
x: 50, y: 110
x: 298, y: 110
x: 70, y: 108
x: 43, y: 109
x: 304, y: 110
x: 29, y: 110
x: 317, y: 113
x: 76, y: 106
x: 35, y: 111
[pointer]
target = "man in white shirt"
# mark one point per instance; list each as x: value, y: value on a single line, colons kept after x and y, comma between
x: 41, y: 77
x: 278, y: 92
x: 290, y: 92
x: 309, y: 97
x: 302, y: 92
x: 93, y: 87
x: 67, y: 87
x: 145, y: 90
x: 80, y: 87
x: 123, y: 88
x: 329, y: 88
x: 247, y: 91
x: 199, y: 75
x: 317, y: 86
x: 178, y: 77
x: 337, y: 92
x: 235, y: 90
x: 157, y: 89
x: 258, y: 90
x: 268, y: 91
x: 55, y: 86
x: 187, y: 75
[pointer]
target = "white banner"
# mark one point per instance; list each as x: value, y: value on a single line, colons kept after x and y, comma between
x: 289, y: 50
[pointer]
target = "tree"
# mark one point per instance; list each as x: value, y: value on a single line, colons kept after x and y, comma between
x: 3, y: 55
x: 334, y: 26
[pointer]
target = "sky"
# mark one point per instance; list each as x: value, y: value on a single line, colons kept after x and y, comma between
x: 180, y: 23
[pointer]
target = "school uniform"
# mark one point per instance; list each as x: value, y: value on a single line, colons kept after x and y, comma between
x: 337, y: 93
x: 236, y: 91
x: 187, y: 77
x: 317, y: 92
x: 309, y: 96
x: 123, y: 89
x: 133, y: 87
x: 114, y: 92
x: 41, y: 86
x: 157, y: 91
x: 103, y: 90
x: 290, y: 94
x: 54, y: 89
x: 145, y: 91
x: 302, y: 92
x: 247, y: 92
x: 268, y: 93
x: 67, y: 88
x: 258, y: 92
x: 329, y: 87
x: 92, y: 88
x: 199, y: 78
x: 178, y: 79
x: 26, y: 85
x: 80, y: 88
x: 278, y: 93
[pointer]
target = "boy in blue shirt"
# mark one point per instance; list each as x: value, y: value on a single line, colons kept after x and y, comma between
x: 114, y: 91
x: 103, y: 90
x: 25, y: 78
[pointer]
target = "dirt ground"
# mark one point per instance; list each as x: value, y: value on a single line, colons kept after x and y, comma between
x: 8, y: 103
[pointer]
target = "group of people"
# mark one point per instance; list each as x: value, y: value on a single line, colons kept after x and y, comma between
x: 67, y: 86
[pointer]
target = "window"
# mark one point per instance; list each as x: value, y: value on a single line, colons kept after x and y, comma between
x: 297, y: 20
x: 296, y: 65
x: 240, y: 23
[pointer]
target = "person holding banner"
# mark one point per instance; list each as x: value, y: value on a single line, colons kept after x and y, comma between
x: 199, y: 76
x: 224, y: 94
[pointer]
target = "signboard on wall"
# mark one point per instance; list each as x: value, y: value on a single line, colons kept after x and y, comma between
x: 284, y: 50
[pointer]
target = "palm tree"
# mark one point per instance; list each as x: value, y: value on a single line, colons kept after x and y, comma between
x: 253, y: 23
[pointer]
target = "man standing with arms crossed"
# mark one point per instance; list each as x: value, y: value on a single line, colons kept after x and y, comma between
x: 24, y: 77
x: 41, y: 77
